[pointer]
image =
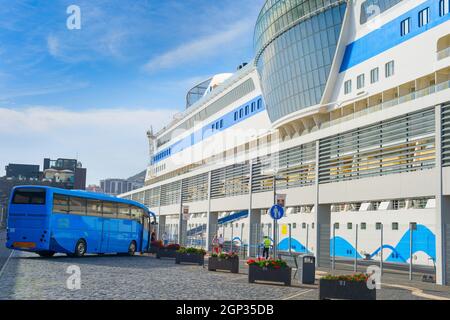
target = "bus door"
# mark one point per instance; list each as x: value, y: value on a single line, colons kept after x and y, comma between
x: 104, y: 240
x: 145, y: 237
x: 109, y: 212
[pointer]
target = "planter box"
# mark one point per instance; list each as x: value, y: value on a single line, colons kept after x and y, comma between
x: 345, y: 290
x: 269, y: 274
x: 190, y: 258
x: 153, y: 249
x: 230, y: 264
x: 166, y: 253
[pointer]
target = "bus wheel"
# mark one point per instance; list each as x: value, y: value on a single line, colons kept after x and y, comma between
x: 132, y: 248
x: 46, y: 254
x: 80, y: 248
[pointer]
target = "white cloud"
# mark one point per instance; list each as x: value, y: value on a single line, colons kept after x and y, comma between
x: 25, y: 91
x: 212, y: 44
x: 109, y: 142
x: 53, y: 45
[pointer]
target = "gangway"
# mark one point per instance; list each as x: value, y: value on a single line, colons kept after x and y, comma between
x: 221, y: 221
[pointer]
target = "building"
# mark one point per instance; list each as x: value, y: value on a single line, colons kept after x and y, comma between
x: 118, y: 186
x: 61, y: 173
x: 94, y: 188
x: 68, y: 172
x: 22, y: 171
x: 345, y: 110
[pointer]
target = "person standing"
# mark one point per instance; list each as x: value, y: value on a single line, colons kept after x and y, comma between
x: 221, y: 241
x: 153, y: 236
x: 165, y: 239
x: 266, y: 249
x: 215, y: 244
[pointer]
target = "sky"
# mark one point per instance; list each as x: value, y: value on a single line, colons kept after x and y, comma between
x: 92, y: 93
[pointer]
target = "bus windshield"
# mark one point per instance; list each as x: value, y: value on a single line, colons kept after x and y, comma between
x: 29, y: 196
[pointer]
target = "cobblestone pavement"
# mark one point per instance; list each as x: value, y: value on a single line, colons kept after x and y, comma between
x: 111, y: 277
x: 28, y: 276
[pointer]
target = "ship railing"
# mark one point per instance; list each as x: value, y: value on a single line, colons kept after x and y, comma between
x: 390, y: 103
x: 443, y: 53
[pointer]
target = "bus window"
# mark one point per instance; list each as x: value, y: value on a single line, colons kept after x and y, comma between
x: 94, y: 208
x: 60, y: 203
x: 29, y: 196
x: 77, y: 206
x: 124, y: 211
x: 137, y: 214
x: 109, y: 210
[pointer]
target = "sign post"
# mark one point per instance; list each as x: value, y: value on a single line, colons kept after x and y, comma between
x: 276, y: 212
x: 281, y: 199
x: 186, y: 213
x: 184, y: 217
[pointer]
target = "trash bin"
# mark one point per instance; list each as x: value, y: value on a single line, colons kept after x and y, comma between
x: 306, y: 269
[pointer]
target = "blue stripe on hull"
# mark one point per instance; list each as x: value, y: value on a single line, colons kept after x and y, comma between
x: 388, y: 36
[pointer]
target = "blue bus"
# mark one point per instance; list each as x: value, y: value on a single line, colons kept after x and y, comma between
x: 48, y: 220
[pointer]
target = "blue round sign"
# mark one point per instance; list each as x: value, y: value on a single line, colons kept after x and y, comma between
x: 277, y: 212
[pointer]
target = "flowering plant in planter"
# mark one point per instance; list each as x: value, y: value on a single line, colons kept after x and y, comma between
x: 273, y: 270
x: 347, y: 287
x: 173, y: 246
x: 226, y: 255
x: 267, y: 263
x: 359, y: 277
x: 157, y: 244
x: 183, y: 250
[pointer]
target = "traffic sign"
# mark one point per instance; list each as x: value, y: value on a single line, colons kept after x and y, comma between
x: 276, y: 212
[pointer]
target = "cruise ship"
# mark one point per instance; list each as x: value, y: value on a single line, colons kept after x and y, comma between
x: 345, y: 112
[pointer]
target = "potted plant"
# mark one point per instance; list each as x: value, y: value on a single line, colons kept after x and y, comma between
x: 274, y: 270
x: 190, y: 255
x: 155, y: 245
x: 224, y: 261
x: 348, y: 287
x: 169, y: 251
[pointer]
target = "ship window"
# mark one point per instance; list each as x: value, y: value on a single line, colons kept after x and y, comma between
x: 444, y: 7
x: 235, y: 116
x: 363, y: 226
x: 246, y: 110
x: 394, y: 225
x: 424, y: 17
x: 374, y: 75
x: 360, y: 81
x: 240, y: 113
x: 253, y: 107
x: 349, y: 226
x: 259, y: 104
x: 389, y: 69
x: 405, y: 27
x: 348, y: 86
